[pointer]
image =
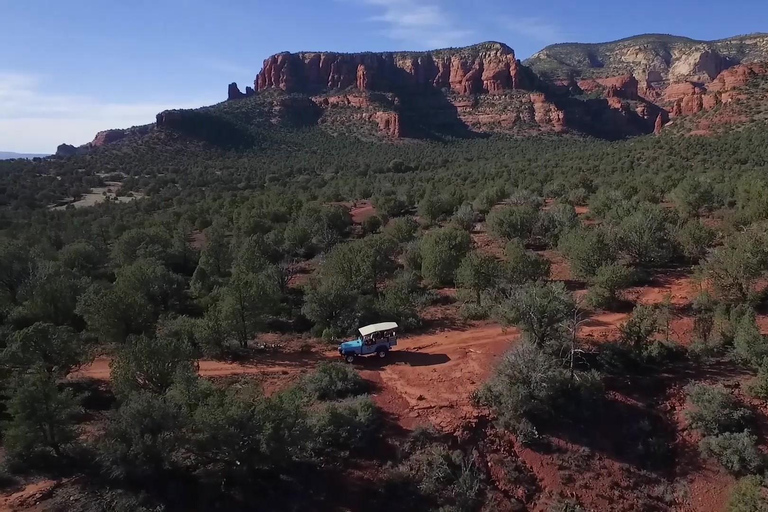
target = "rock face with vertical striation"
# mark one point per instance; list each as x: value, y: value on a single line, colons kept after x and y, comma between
x: 485, y: 68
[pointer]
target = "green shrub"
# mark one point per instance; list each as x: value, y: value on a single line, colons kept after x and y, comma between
x: 332, y: 381
x: 645, y: 237
x: 587, y: 250
x: 442, y: 251
x: 749, y: 346
x: 402, y: 230
x: 464, y: 217
x: 340, y: 427
x: 694, y: 239
x: 524, y: 266
x: 714, y: 411
x: 759, y: 385
x: 477, y: 274
x: 513, y: 222
x: 747, y: 496
x: 41, y: 431
x: 737, y: 452
x: 540, y: 310
x: 450, y: 478
x: 530, y: 387
x: 607, y: 283
x: 555, y: 222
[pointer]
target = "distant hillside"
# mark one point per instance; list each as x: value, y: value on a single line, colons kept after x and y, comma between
x: 655, y: 57
x: 7, y: 155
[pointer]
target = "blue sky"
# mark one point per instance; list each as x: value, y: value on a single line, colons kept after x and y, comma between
x: 69, y: 68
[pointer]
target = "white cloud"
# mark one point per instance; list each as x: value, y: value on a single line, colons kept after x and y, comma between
x: 33, y: 120
x: 538, y: 29
x: 423, y: 23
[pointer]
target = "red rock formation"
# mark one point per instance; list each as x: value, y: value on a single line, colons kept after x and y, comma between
x: 108, y: 137
x: 490, y: 68
x: 233, y: 92
x: 389, y: 123
x: 659, y: 124
x: 736, y: 76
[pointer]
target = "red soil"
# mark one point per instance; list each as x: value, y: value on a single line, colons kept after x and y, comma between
x: 430, y: 379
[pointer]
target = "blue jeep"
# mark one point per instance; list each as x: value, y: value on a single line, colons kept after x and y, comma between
x: 374, y: 339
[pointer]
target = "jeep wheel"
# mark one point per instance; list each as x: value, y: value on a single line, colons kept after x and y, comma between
x: 350, y: 358
x: 382, y: 353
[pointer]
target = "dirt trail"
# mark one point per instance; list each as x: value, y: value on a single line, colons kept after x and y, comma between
x: 427, y: 378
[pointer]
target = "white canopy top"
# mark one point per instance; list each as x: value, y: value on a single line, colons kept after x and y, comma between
x: 383, y: 326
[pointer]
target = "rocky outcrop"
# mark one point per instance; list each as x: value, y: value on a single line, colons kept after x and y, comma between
x: 108, y: 137
x: 65, y: 150
x: 233, y: 92
x: 487, y: 68
x: 658, y: 125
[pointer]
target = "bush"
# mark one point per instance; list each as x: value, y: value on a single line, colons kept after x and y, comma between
x: 332, y: 381
x: 401, y: 300
x: 694, y: 239
x: 530, y: 387
x: 464, y: 217
x: 606, y: 284
x: 150, y: 364
x: 371, y: 224
x: 540, y: 310
x: 41, y: 428
x: 524, y: 266
x: 734, y: 268
x: 340, y: 427
x: 759, y: 386
x: 142, y: 438
x: 747, y: 496
x: 555, y: 222
x: 450, y: 478
x: 488, y: 199
x: 737, y: 452
x: 442, y: 251
x: 749, y: 346
x: 587, y: 250
x: 478, y: 273
x: 714, y: 411
x: 513, y: 222
x: 645, y: 236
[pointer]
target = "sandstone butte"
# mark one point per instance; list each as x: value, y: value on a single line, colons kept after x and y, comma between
x: 694, y: 81
x: 487, y: 68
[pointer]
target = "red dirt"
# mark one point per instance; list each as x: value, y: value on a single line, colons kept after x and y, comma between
x: 430, y: 378
x: 361, y: 210
x: 30, y: 498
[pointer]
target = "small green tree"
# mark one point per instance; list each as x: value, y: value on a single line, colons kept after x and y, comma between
x: 749, y: 346
x: 714, y: 411
x: 441, y: 253
x: 736, y: 451
x: 42, y: 420
x: 402, y: 230
x: 464, y: 217
x: 245, y: 302
x: 734, y: 268
x: 55, y: 349
x: 694, y: 239
x: 513, y: 222
x: 587, y: 250
x: 150, y: 364
x: 555, y: 222
x: 645, y: 236
x: 607, y: 283
x: 540, y: 310
x: 524, y: 266
x: 477, y: 273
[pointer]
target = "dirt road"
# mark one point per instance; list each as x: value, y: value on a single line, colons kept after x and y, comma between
x: 428, y: 379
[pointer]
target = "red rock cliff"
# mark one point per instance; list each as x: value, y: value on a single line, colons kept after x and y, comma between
x: 486, y: 68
